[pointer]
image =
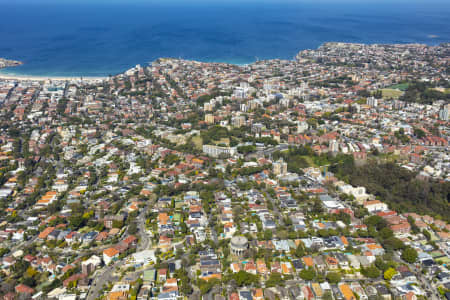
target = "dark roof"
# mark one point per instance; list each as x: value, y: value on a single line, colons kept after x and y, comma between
x: 428, y: 262
x: 245, y: 295
x: 382, y: 289
x: 171, y: 267
x: 297, y: 264
x: 447, y: 295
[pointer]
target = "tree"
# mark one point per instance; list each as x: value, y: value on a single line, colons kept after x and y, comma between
x: 186, y: 286
x: 414, y: 228
x: 206, y: 286
x: 300, y: 251
x: 243, y: 278
x: 386, y: 233
x: 397, y: 187
x: 3, y: 251
x: 371, y: 272
x: 344, y: 217
x: 317, y: 206
x: 409, y: 255
x: 246, y: 149
x: 308, y: 274
x: 393, y: 243
x: 117, y: 224
x: 275, y: 279
x: 327, y: 296
x: 20, y: 267
x: 76, y: 221
x: 375, y: 221
x: 381, y: 264
x: 389, y: 273
x: 333, y: 277
x: 268, y: 234
x: 132, y: 228
x: 419, y: 133
x: 183, y: 228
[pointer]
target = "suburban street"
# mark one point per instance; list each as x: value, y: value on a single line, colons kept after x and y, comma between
x: 107, y: 274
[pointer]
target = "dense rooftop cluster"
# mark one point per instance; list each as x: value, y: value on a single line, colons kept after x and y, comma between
x: 325, y: 177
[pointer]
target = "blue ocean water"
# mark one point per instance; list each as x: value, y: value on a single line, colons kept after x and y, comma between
x: 97, y: 39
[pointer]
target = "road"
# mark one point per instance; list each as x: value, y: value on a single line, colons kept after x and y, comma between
x: 107, y: 274
x: 276, y: 211
x: 144, y: 238
x: 212, y: 231
x: 23, y: 245
x: 431, y: 291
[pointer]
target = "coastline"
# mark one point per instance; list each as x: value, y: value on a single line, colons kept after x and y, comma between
x: 7, y: 73
x: 52, y: 78
x: 81, y: 78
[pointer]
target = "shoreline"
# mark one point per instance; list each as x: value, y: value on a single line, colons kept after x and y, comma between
x: 24, y: 77
x: 52, y: 78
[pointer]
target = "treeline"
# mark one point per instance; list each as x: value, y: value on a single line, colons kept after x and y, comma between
x: 235, y: 135
x: 215, y: 133
x: 424, y: 93
x: 296, y: 158
x: 214, y: 93
x: 399, y: 187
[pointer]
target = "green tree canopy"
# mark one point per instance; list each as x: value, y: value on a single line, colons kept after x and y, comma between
x: 371, y: 272
x: 308, y: 274
x: 333, y: 277
x: 409, y: 255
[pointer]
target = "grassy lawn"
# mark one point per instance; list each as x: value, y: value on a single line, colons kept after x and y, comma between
x: 309, y: 160
x: 442, y: 90
x: 198, y: 142
x: 391, y: 93
x: 84, y: 230
x: 225, y: 141
x: 401, y: 86
x: 444, y: 260
x: 388, y: 157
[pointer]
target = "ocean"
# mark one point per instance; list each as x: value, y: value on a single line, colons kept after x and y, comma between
x: 91, y: 38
